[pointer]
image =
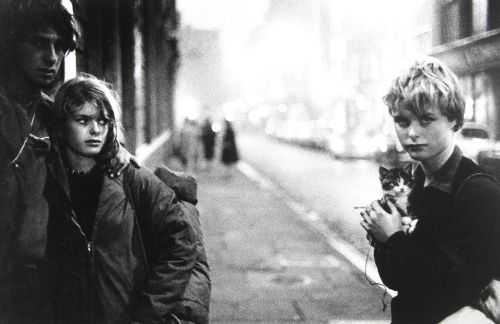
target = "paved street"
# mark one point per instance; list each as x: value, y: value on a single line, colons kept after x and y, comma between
x: 329, y: 187
x: 268, y: 264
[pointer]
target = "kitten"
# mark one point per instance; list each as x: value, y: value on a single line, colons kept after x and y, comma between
x: 397, y: 184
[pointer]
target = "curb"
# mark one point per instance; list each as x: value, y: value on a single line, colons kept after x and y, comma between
x: 314, y: 221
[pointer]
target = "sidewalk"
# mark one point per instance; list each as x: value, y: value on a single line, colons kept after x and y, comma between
x: 268, y: 267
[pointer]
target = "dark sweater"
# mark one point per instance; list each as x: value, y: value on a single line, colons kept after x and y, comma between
x: 85, y: 190
x: 454, y: 250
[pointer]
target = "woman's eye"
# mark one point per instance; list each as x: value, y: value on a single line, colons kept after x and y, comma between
x: 402, y: 123
x: 82, y: 121
x: 104, y: 122
x: 426, y: 121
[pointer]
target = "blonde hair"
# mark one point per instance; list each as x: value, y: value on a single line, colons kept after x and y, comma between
x: 427, y: 84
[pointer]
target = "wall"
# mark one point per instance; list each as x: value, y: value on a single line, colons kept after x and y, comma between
x: 132, y: 44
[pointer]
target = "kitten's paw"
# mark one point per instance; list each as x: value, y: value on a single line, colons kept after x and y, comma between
x: 413, y: 224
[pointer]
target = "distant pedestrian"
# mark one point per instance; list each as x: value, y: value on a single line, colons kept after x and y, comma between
x: 229, y: 154
x: 208, y: 139
x: 189, y: 144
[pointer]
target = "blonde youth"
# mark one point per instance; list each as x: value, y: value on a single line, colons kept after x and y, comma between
x: 425, y: 85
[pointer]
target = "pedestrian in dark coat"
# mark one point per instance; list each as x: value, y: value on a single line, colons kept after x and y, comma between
x: 208, y: 140
x: 454, y: 249
x: 103, y: 270
x: 229, y: 154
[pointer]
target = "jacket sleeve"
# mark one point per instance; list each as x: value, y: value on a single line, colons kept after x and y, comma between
x: 467, y: 257
x: 170, y: 241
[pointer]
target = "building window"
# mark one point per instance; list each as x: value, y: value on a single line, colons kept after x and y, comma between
x: 456, y: 19
x: 477, y: 97
x: 450, y: 20
x: 479, y: 16
x: 493, y: 14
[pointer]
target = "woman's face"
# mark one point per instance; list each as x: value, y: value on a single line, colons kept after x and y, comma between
x: 86, y: 130
x: 425, y: 137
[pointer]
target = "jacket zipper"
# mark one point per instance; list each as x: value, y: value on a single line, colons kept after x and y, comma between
x: 87, y: 241
x: 90, y: 256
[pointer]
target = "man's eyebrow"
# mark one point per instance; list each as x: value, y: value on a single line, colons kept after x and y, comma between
x: 46, y: 37
x: 91, y: 116
x: 80, y: 116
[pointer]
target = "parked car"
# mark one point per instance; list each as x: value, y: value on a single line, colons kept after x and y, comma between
x: 356, y: 145
x: 473, y: 138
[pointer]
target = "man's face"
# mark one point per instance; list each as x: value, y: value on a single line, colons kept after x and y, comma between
x: 39, y: 56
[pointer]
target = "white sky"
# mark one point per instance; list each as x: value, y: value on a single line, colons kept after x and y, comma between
x: 222, y: 14
x: 246, y: 14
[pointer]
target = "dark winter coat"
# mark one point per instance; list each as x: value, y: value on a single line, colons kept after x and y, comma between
x: 454, y: 250
x: 24, y: 144
x: 229, y: 149
x: 194, y: 305
x: 208, y: 140
x: 107, y: 279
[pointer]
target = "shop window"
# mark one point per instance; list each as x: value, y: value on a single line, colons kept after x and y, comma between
x: 467, y: 85
x: 477, y: 97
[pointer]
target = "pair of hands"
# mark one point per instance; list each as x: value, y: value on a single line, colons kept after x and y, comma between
x: 380, y: 224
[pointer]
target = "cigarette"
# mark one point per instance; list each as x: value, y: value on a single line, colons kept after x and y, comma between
x: 360, y: 207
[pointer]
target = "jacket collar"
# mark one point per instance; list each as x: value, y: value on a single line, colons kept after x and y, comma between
x: 55, y: 168
x: 443, y: 178
x: 15, y: 124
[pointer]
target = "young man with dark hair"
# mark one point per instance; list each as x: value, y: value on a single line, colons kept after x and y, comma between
x: 35, y: 37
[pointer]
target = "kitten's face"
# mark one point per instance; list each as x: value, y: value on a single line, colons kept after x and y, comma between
x: 395, y: 182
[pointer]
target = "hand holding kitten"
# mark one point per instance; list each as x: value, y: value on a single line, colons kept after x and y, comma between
x: 379, y: 223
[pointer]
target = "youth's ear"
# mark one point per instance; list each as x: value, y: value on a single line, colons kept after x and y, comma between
x: 382, y: 171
